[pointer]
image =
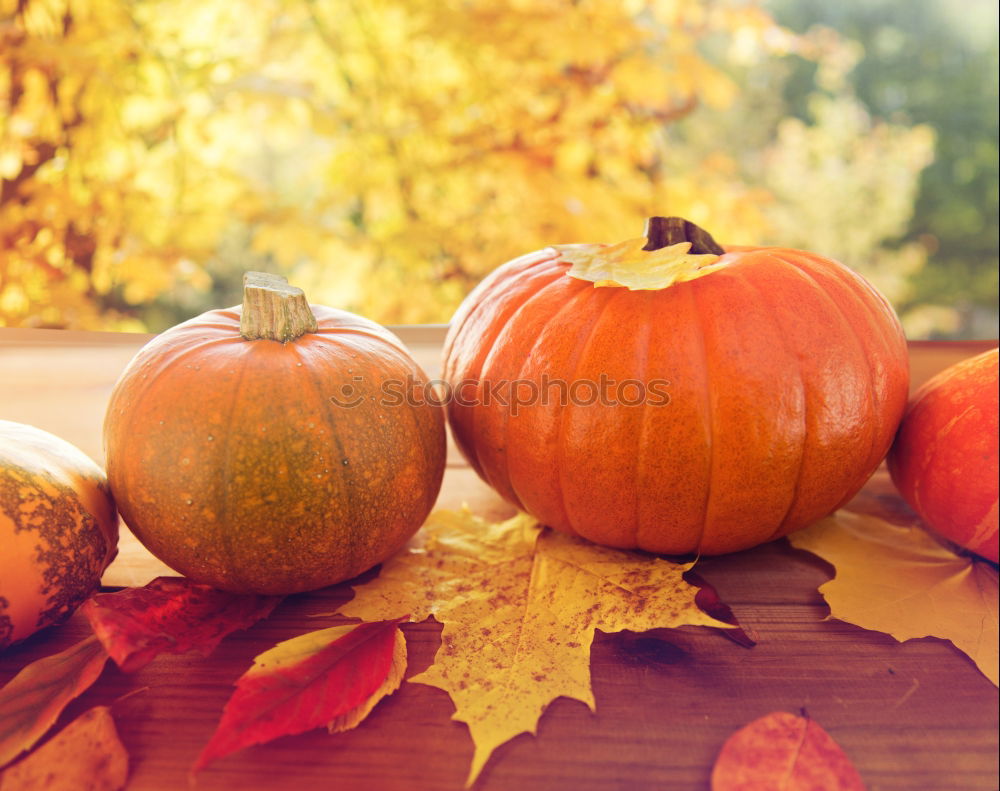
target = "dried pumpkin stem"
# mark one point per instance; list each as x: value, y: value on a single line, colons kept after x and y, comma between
x: 273, y: 309
x: 665, y: 231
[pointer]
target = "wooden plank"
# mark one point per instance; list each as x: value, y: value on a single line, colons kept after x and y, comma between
x: 913, y: 716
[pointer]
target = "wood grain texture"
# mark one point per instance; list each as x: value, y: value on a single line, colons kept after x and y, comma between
x: 911, y: 716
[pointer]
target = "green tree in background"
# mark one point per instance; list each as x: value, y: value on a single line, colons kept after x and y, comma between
x: 930, y: 62
x: 838, y: 180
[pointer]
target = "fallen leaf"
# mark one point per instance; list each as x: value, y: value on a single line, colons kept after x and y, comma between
x: 628, y: 264
x: 331, y: 677
x: 783, y: 752
x: 169, y: 615
x: 86, y: 755
x: 519, y: 606
x: 901, y: 580
x: 32, y: 701
x: 708, y: 601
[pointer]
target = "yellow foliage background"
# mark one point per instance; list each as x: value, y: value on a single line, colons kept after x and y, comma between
x: 385, y: 154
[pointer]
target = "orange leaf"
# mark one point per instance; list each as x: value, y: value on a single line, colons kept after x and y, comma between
x: 169, y: 615
x: 783, y: 752
x: 331, y: 677
x: 31, y: 702
x: 86, y: 755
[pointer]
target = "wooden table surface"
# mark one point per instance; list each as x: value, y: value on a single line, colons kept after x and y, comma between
x: 914, y: 715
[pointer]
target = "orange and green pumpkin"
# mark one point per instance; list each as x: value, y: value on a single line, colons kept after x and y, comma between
x: 58, y: 529
x: 944, y: 460
x: 668, y: 395
x: 255, y: 449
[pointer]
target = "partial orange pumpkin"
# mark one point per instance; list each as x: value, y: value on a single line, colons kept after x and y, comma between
x: 945, y: 458
x: 746, y: 393
x: 58, y: 529
x: 270, y: 448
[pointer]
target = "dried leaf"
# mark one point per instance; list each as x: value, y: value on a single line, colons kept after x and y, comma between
x: 519, y: 606
x: 786, y: 752
x: 331, y: 677
x: 627, y: 264
x: 86, y: 755
x: 169, y: 615
x: 900, y: 580
x: 32, y: 701
x: 708, y: 601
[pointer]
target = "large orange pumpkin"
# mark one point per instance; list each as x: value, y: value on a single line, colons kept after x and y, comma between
x: 666, y: 395
x: 58, y: 529
x: 945, y: 458
x: 270, y: 448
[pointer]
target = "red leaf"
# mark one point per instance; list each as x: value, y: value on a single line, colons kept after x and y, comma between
x: 708, y: 601
x: 32, y: 701
x: 786, y: 752
x: 331, y: 677
x: 169, y: 615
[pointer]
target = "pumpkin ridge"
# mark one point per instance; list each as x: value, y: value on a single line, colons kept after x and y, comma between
x: 159, y: 372
x: 580, y: 352
x: 352, y: 523
x: 879, y: 426
x: 862, y: 354
x: 882, y: 318
x: 709, y: 409
x: 541, y: 333
x: 156, y: 371
x: 477, y: 374
x: 228, y: 539
x: 864, y: 290
x: 328, y: 333
x: 640, y: 454
x: 765, y: 297
x: 426, y: 453
x: 455, y: 330
x: 506, y: 418
x: 928, y: 458
x: 919, y: 463
x: 885, y: 340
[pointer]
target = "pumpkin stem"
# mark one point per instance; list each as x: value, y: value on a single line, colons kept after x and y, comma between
x: 665, y: 231
x: 274, y: 310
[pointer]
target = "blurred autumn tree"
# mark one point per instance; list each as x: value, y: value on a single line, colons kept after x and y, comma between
x: 385, y: 154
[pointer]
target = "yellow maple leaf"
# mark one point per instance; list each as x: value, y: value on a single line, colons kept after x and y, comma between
x: 627, y: 264
x: 900, y: 580
x: 519, y: 605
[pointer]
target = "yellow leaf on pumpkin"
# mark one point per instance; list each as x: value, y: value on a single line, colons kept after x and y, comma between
x: 519, y: 605
x: 900, y: 580
x: 627, y: 264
